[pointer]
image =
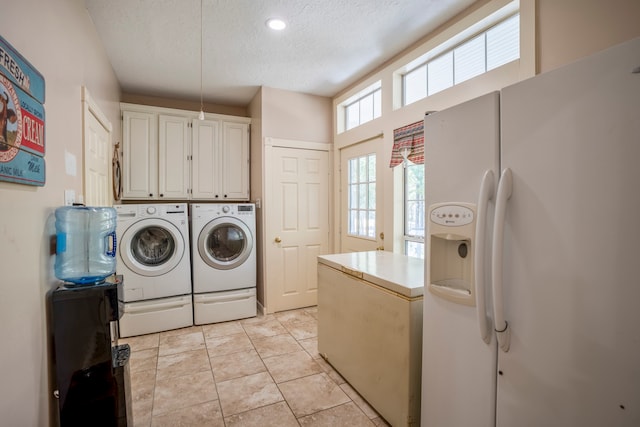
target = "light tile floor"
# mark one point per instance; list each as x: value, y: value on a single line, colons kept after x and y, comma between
x: 262, y: 371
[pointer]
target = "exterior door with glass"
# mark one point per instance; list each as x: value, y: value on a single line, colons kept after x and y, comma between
x: 361, y: 220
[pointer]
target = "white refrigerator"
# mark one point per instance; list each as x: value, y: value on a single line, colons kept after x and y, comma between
x: 533, y: 209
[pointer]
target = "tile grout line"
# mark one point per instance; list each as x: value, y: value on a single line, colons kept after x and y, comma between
x: 288, y: 326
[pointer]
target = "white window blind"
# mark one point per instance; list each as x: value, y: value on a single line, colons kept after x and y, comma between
x: 503, y: 43
x: 496, y: 46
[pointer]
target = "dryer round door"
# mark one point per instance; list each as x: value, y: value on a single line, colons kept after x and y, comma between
x: 152, y: 247
x: 225, y: 243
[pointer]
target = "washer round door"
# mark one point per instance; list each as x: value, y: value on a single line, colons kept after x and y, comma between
x: 225, y: 243
x: 152, y: 247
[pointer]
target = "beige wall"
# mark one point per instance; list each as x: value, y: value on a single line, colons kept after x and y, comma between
x: 571, y: 29
x: 296, y: 116
x: 287, y: 115
x: 58, y: 38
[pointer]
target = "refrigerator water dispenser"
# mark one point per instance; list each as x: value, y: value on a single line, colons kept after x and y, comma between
x: 451, y: 251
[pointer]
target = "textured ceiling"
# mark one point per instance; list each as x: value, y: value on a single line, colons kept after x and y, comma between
x: 154, y: 45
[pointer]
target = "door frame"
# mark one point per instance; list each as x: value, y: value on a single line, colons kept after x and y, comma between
x: 90, y: 107
x: 382, y: 179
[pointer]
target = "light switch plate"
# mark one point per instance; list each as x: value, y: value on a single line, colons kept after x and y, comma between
x: 69, y: 197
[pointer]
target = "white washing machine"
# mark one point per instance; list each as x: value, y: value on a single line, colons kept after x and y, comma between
x: 224, y: 261
x: 154, y: 259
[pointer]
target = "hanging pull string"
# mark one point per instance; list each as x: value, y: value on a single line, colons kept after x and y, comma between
x: 201, y: 116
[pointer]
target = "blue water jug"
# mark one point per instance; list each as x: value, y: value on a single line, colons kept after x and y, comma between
x: 86, y: 244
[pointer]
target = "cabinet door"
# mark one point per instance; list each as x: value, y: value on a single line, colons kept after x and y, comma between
x: 140, y: 155
x: 235, y: 161
x: 173, y: 157
x: 206, y: 154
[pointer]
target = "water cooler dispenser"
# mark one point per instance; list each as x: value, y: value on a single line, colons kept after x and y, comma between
x: 450, y: 252
x: 90, y: 369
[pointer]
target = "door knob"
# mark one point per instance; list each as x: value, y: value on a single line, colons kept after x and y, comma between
x: 278, y: 240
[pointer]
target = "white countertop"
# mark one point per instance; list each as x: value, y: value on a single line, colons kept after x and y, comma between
x: 396, y: 272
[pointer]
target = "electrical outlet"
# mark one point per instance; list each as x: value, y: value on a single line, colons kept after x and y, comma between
x: 69, y: 197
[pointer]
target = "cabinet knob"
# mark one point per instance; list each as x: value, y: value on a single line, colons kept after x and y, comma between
x: 150, y: 195
x: 161, y: 195
x: 225, y: 196
x: 216, y: 196
x: 278, y: 240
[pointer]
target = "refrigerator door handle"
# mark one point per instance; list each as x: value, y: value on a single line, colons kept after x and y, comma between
x: 486, y: 194
x: 505, y: 187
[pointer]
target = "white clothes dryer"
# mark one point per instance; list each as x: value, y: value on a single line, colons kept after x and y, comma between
x: 154, y: 259
x: 224, y: 261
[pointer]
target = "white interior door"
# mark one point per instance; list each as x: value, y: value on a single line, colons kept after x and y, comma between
x: 296, y: 224
x: 361, y: 219
x: 97, y: 154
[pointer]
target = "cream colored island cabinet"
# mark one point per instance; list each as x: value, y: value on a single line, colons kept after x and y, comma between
x: 168, y: 154
x: 370, y: 328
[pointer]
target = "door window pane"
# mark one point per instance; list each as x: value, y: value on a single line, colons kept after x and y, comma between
x: 371, y: 229
x: 372, y: 167
x: 372, y: 196
x: 362, y: 196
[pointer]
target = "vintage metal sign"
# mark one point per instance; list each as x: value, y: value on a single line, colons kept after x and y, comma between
x: 24, y: 168
x: 21, y: 72
x: 21, y: 121
x: 22, y: 134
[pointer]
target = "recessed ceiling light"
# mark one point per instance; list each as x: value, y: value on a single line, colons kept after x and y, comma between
x: 276, y: 24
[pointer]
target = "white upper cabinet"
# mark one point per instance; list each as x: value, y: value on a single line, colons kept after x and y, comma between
x: 139, y: 155
x: 169, y: 154
x: 235, y: 161
x: 173, y: 157
x: 206, y: 172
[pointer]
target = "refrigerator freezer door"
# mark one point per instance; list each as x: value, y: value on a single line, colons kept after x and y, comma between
x: 458, y: 371
x: 571, y: 254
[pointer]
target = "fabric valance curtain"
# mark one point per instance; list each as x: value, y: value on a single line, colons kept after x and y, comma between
x: 408, y: 142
